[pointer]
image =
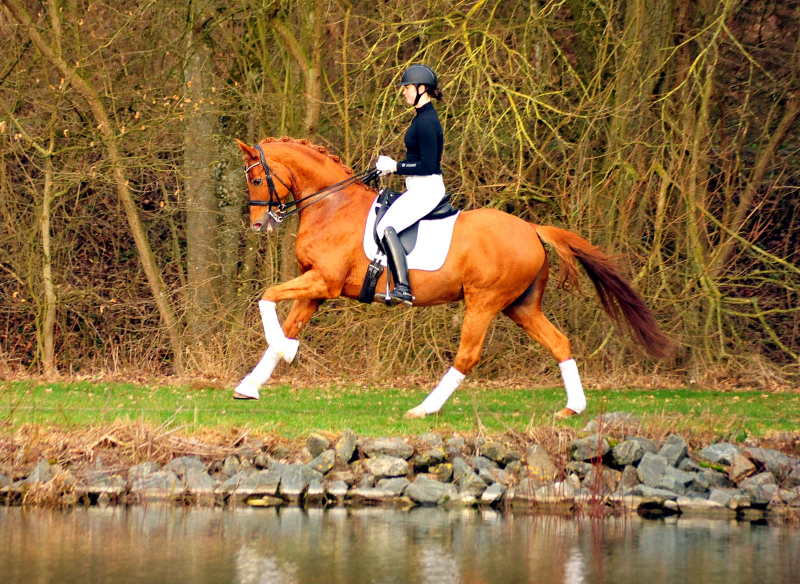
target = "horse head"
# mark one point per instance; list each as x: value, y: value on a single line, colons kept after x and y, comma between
x: 269, y: 185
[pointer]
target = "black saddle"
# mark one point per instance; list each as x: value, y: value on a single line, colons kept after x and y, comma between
x: 408, y: 237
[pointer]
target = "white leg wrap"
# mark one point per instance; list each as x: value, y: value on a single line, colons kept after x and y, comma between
x: 576, y: 401
x: 286, y: 348
x: 449, y: 383
x: 263, y: 371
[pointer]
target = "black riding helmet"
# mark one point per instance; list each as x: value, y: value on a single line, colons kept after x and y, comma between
x: 417, y: 75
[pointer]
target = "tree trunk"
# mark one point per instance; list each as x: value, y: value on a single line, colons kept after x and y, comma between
x: 199, y: 155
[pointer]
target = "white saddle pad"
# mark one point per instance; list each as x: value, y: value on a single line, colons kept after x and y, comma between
x: 433, y: 242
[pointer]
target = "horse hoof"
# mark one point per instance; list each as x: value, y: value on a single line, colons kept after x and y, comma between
x: 237, y: 395
x: 415, y: 413
x: 290, y: 349
x: 564, y: 414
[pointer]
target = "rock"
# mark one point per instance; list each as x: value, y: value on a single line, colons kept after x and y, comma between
x: 159, y: 486
x: 496, y: 452
x: 721, y: 453
x: 346, y: 446
x: 674, y: 449
x: 304, y: 456
x: 514, y: 468
x: 425, y: 491
x: 395, y: 486
x: 646, y: 443
x: 315, y: 492
x: 590, y: 448
x: 280, y: 452
x: 443, y: 472
x: 317, y: 444
x: 367, y: 481
x: 42, y: 473
x: 231, y: 465
x: 793, y: 480
x: 497, y: 475
x: 540, y: 465
x: 229, y: 486
x: 741, y: 467
x: 493, y: 494
x: 99, y: 484
x: 200, y: 484
x: 323, y: 462
x: 5, y: 481
x: 581, y: 469
x: 393, y: 447
x: 337, y: 490
x: 612, y: 421
x: 430, y: 457
x: 714, y: 478
x: 346, y: 476
x: 471, y: 484
x: 732, y: 498
x: 460, y: 468
x: 456, y: 442
x: 627, y: 452
x: 761, y: 488
x: 371, y: 495
x: 261, y: 461
x: 628, y: 479
x: 182, y: 465
x: 259, y: 484
x: 791, y: 497
x: 777, y: 463
x: 558, y: 492
x: 704, y: 507
x: 602, y: 480
x: 142, y: 471
x: 653, y: 495
x: 481, y: 463
x: 688, y: 465
x: 431, y: 439
x: 295, y: 479
x: 386, y: 466
x: 266, y: 502
x: 655, y: 471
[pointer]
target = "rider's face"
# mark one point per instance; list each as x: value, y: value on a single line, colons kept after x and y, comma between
x: 410, y: 93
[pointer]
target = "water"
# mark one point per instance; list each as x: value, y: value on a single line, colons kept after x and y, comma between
x: 377, y: 546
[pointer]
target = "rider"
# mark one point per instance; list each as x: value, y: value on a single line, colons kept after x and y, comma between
x: 422, y: 168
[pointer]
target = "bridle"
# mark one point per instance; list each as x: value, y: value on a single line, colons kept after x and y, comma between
x: 281, y: 213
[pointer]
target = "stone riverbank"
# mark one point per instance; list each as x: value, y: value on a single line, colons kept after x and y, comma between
x: 607, y: 469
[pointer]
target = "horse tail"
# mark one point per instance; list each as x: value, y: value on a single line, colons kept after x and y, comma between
x: 618, y: 298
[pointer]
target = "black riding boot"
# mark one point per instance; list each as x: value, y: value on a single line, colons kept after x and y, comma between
x: 399, y: 268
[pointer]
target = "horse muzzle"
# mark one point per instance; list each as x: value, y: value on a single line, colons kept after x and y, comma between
x: 264, y: 223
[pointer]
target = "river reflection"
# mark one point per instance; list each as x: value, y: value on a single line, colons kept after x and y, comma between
x: 376, y: 546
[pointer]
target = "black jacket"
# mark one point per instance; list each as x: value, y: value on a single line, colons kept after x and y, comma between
x: 424, y: 144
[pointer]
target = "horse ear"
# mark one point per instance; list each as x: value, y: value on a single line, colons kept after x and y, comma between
x: 251, y: 152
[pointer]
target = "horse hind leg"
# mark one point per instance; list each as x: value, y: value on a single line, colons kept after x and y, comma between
x: 527, y: 313
x: 473, y: 333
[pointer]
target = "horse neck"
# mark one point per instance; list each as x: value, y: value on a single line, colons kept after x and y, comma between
x: 352, y: 201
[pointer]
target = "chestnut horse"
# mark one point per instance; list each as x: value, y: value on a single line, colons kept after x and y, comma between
x: 496, y: 263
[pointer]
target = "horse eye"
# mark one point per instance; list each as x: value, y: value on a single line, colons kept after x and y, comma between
x: 257, y: 182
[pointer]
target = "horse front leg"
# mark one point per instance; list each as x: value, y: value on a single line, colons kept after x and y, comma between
x: 309, y: 291
x: 311, y: 286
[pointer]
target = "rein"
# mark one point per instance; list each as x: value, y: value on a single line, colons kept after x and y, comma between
x: 275, y: 201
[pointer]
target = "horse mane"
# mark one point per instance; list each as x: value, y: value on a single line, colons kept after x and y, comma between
x: 316, y: 148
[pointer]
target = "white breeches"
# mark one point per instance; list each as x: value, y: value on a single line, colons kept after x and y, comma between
x: 422, y: 195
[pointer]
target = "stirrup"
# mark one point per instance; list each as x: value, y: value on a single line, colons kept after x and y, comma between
x: 401, y: 295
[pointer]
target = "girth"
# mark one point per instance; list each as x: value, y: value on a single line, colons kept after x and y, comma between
x: 408, y: 237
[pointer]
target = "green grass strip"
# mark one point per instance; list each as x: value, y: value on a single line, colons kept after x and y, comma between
x: 374, y: 411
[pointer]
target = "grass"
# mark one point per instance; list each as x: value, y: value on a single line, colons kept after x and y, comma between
x: 293, y: 412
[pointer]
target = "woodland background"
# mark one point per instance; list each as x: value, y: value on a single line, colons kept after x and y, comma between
x: 665, y: 131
